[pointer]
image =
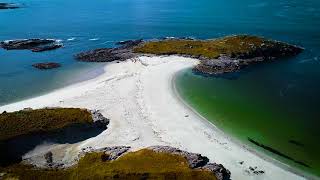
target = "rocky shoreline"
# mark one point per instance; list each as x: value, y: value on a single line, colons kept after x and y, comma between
x: 121, y: 53
x: 13, y: 147
x: 232, y: 53
x: 195, y: 161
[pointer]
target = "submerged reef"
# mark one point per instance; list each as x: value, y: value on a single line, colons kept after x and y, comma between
x: 45, y: 66
x: 270, y: 149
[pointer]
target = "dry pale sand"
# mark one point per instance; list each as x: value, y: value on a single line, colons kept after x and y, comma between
x: 144, y: 110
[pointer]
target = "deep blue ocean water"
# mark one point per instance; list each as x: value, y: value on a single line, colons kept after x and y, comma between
x: 113, y: 20
x: 84, y: 25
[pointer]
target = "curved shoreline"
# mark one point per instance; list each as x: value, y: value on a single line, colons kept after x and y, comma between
x: 138, y: 99
x: 238, y: 142
x: 91, y: 73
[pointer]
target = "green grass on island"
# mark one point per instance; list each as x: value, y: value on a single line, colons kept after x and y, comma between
x: 41, y: 120
x: 143, y: 164
x: 211, y: 49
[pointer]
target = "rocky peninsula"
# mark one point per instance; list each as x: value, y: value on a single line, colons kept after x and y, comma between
x: 35, y: 45
x: 155, y: 162
x: 223, y: 55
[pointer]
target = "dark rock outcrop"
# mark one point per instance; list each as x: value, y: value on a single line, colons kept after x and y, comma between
x: 219, y: 170
x: 35, y: 45
x: 257, y: 54
x: 48, y: 157
x: 194, y: 160
x: 112, y: 153
x: 9, y: 6
x: 45, y: 66
x: 120, y: 53
x: 46, y: 48
x: 129, y: 43
x: 99, y: 120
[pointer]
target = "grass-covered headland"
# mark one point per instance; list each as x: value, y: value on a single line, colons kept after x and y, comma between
x: 221, y: 55
x: 26, y: 122
x: 143, y: 164
x: 22, y: 131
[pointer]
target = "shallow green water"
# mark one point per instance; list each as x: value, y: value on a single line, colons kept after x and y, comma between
x: 250, y: 105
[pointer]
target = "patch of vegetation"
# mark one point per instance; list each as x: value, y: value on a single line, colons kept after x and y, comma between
x: 41, y: 120
x: 231, y: 46
x: 143, y: 164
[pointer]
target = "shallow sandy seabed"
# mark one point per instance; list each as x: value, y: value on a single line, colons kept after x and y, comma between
x: 144, y: 110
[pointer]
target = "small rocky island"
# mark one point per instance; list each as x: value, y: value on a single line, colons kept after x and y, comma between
x: 46, y: 66
x: 35, y: 45
x: 9, y: 6
x: 223, y: 55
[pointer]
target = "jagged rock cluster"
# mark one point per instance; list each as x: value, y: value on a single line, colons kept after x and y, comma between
x: 195, y: 161
x: 35, y: 45
x: 9, y: 6
x: 98, y: 119
x: 257, y: 54
x: 121, y: 53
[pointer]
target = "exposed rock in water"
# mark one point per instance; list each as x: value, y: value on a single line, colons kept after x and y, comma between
x: 121, y: 53
x: 45, y: 66
x: 46, y: 48
x: 35, y: 45
x: 9, y: 6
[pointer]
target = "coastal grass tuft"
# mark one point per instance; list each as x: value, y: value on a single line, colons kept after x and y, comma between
x: 210, y: 49
x: 41, y: 120
x: 143, y: 164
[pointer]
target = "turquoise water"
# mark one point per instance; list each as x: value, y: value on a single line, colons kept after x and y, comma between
x: 276, y: 94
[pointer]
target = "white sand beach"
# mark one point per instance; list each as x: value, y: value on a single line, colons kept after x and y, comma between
x: 144, y: 110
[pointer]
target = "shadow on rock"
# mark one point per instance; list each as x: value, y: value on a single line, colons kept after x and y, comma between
x: 11, y: 151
